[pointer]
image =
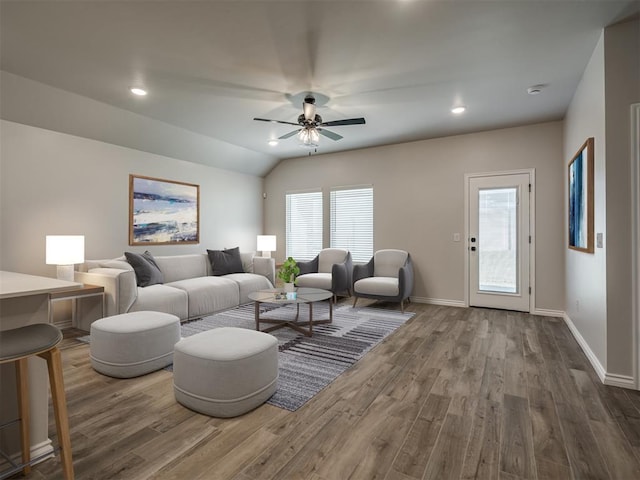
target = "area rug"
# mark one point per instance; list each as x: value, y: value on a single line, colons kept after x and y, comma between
x: 309, y: 364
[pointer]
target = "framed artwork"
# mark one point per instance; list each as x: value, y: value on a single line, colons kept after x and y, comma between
x: 163, y: 212
x: 581, y: 199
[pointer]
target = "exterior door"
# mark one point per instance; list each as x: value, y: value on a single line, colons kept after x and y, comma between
x: 499, y: 240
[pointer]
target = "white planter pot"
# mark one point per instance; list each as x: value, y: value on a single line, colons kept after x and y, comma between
x: 289, y: 287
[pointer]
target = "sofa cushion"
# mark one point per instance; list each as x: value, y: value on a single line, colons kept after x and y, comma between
x: 330, y: 256
x: 387, y: 263
x: 383, y: 286
x: 181, y: 267
x: 315, y: 280
x: 146, y: 268
x: 162, y: 298
x: 248, y: 283
x: 226, y: 261
x: 208, y: 294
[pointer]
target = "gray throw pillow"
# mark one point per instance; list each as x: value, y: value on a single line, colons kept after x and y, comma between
x: 147, y: 270
x: 224, y: 262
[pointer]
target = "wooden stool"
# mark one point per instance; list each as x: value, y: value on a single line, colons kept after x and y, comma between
x: 17, y: 345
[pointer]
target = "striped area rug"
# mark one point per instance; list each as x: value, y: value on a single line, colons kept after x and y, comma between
x: 308, y: 364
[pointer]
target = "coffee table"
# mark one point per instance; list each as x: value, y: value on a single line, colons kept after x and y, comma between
x: 299, y: 296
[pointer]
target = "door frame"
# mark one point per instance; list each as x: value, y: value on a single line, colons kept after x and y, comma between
x: 532, y: 229
x: 635, y: 238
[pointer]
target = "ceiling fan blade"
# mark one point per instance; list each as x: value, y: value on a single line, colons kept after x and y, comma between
x: 329, y: 134
x: 347, y: 121
x: 275, y: 121
x: 287, y: 135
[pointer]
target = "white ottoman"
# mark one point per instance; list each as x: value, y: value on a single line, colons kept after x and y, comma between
x: 225, y: 372
x: 132, y: 344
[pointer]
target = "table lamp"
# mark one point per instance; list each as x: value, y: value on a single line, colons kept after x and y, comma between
x: 266, y: 243
x: 64, y: 251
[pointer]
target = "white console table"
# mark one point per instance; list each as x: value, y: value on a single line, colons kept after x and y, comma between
x: 24, y: 300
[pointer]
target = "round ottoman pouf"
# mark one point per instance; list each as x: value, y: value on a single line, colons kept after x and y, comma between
x: 132, y: 344
x: 225, y: 372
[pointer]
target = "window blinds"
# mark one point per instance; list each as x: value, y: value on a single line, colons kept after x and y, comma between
x: 352, y: 222
x: 304, y: 224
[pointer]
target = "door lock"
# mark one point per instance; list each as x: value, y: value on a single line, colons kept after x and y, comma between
x: 473, y: 249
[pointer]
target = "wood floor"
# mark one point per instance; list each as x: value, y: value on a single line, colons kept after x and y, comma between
x: 454, y: 394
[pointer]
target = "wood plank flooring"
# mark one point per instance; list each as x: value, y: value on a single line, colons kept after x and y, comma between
x: 453, y: 394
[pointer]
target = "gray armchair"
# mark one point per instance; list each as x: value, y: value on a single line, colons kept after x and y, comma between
x: 330, y: 270
x: 388, y: 276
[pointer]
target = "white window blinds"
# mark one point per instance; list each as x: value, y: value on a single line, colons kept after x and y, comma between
x: 352, y: 222
x: 304, y: 224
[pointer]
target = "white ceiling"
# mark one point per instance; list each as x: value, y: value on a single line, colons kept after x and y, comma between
x: 211, y: 66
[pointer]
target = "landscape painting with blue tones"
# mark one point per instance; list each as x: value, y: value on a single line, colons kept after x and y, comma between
x: 581, y: 200
x: 163, y: 212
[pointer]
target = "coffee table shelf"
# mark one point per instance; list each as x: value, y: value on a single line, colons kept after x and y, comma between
x: 300, y: 296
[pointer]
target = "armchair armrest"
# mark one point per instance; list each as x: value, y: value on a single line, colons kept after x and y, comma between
x: 119, y: 287
x: 362, y: 271
x: 405, y: 279
x: 341, y: 274
x: 265, y: 266
x: 309, y: 267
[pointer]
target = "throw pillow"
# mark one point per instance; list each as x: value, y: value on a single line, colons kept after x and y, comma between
x: 226, y: 261
x: 147, y: 270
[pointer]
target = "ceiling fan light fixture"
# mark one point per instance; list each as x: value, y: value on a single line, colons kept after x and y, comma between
x: 273, y: 142
x: 309, y: 137
x: 458, y: 110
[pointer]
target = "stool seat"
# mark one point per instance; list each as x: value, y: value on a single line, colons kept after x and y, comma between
x: 28, y: 340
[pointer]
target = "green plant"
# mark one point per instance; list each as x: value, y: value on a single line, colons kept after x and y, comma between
x: 288, y: 270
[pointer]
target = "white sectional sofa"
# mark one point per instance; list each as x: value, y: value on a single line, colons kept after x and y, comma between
x: 189, y: 289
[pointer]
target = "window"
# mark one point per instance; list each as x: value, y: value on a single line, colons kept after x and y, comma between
x: 352, y: 222
x: 304, y: 224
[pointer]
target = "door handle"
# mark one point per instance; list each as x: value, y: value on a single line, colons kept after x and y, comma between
x: 473, y: 249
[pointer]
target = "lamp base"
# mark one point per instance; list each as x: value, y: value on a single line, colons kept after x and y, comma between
x: 65, y: 272
x: 266, y: 253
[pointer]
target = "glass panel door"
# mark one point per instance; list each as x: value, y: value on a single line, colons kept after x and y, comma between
x: 498, y: 240
x: 498, y: 236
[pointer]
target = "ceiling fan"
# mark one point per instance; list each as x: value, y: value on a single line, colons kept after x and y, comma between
x: 312, y: 125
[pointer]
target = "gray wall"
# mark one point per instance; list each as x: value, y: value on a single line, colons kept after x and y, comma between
x: 586, y: 283
x: 419, y: 200
x: 54, y: 183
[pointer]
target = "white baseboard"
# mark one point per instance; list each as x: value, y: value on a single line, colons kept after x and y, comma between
x: 438, y: 301
x: 43, y: 449
x: 543, y: 312
x: 622, y: 381
x: 595, y: 363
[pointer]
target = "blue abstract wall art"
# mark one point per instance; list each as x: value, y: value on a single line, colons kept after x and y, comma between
x: 163, y: 212
x: 581, y: 199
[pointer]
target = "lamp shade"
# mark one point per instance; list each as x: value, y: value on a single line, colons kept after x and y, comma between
x: 267, y: 243
x: 64, y: 249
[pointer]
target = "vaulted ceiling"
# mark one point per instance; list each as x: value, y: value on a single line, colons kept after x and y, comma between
x: 210, y: 67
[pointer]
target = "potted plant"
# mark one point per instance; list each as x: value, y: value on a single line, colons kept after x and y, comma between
x: 288, y: 272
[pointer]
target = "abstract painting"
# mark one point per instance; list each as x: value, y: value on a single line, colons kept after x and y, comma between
x: 163, y: 212
x: 581, y: 199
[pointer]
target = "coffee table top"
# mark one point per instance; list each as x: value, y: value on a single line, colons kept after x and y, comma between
x: 300, y: 295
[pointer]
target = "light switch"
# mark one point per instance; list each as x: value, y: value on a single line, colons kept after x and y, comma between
x: 599, y: 240
x: 456, y: 237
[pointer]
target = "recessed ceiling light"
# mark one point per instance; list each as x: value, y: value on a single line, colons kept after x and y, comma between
x: 273, y: 143
x: 141, y: 92
x: 458, y: 110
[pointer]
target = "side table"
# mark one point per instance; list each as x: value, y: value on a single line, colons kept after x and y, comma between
x: 74, y: 294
